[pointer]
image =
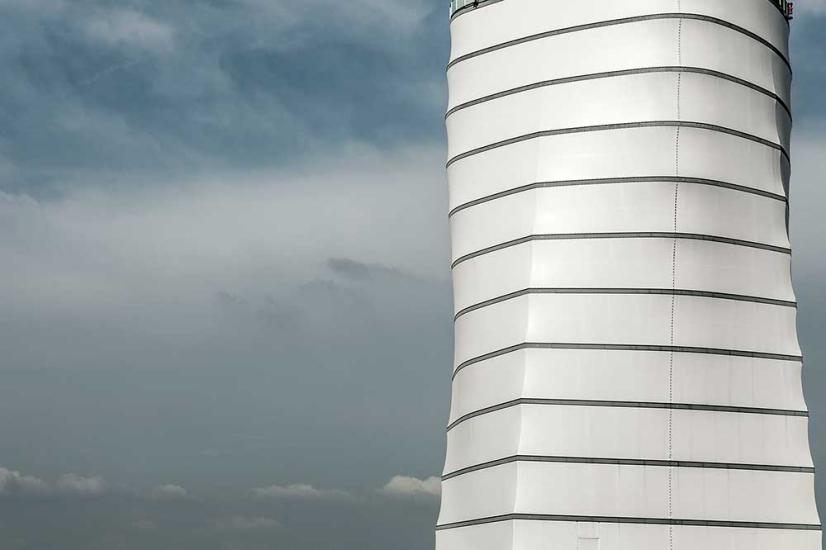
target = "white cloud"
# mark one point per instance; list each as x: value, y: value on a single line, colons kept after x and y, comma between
x: 407, y: 487
x: 15, y: 483
x: 298, y: 490
x: 127, y: 28
x: 169, y: 492
x: 242, y: 523
x: 73, y: 484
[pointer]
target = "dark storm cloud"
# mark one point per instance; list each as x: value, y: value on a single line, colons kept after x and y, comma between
x: 359, y: 271
x: 98, y: 89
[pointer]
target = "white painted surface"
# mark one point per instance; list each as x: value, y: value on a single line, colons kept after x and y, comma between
x: 629, y: 376
x: 620, y: 208
x: 623, y: 263
x: 627, y: 433
x: 626, y: 320
x: 498, y: 24
x: 656, y: 151
x: 636, y: 152
x: 630, y: 491
x: 533, y: 535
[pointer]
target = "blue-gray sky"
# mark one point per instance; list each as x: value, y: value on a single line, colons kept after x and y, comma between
x: 225, y: 309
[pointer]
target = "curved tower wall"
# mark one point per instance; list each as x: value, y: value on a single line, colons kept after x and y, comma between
x: 627, y: 370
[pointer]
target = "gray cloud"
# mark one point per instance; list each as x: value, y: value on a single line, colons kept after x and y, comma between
x: 213, y: 86
x: 169, y: 492
x: 359, y: 271
x: 816, y: 7
x: 299, y: 490
x: 242, y: 523
x: 131, y: 29
x: 144, y: 525
x: 358, y: 16
x: 808, y: 46
x: 173, y: 181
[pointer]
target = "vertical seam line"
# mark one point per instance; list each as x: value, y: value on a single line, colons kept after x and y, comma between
x: 674, y: 285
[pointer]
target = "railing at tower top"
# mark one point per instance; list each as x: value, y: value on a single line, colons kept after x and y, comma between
x: 785, y: 7
x: 456, y: 5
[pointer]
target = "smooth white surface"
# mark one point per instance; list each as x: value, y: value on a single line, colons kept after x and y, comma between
x: 618, y: 319
x: 628, y: 376
x: 620, y: 100
x: 613, y: 208
x: 621, y: 433
x: 637, y: 152
x: 630, y: 491
x: 623, y: 263
x: 500, y: 23
x: 633, y: 45
x: 688, y: 174
x: 533, y: 535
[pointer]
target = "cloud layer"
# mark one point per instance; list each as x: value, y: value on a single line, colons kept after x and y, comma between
x: 299, y: 490
x: 13, y: 483
x: 815, y: 7
x: 242, y: 523
x: 177, y: 88
x: 169, y: 492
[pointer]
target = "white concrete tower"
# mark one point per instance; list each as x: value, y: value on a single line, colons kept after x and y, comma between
x: 627, y: 372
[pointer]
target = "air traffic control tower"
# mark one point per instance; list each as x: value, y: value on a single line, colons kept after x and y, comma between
x: 627, y: 373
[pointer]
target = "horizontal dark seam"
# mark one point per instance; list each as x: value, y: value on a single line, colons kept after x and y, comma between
x: 625, y: 405
x: 634, y: 520
x: 619, y: 235
x: 625, y: 72
x: 623, y: 21
x: 629, y: 462
x: 629, y: 291
x: 618, y: 126
x: 624, y: 347
x: 605, y: 181
x: 484, y: 3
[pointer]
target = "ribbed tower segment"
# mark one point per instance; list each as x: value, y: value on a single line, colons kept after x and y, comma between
x: 627, y: 371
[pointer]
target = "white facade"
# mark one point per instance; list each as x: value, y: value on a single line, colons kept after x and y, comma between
x: 627, y: 370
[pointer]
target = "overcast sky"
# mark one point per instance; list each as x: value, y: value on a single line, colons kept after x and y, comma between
x: 225, y: 305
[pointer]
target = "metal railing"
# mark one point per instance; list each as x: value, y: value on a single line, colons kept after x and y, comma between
x: 785, y: 7
x: 456, y: 5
